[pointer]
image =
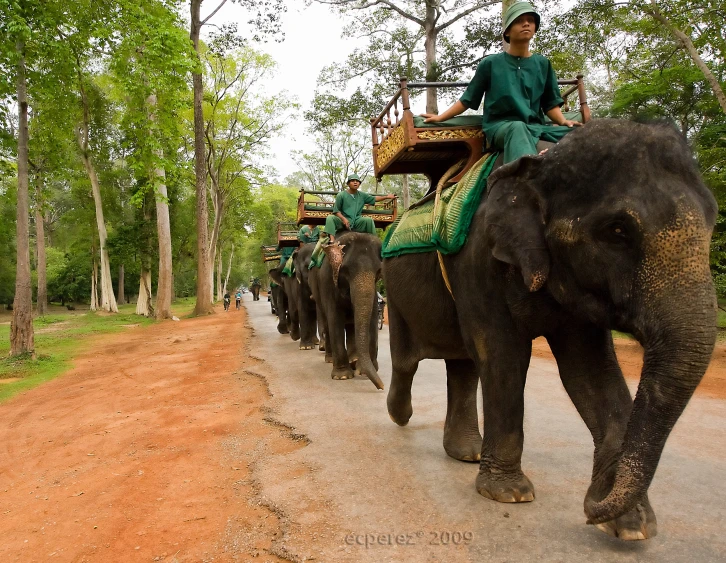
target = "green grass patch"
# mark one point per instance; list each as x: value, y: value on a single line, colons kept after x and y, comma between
x: 59, y: 338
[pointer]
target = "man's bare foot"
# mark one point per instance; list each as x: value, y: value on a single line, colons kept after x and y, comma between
x: 543, y: 151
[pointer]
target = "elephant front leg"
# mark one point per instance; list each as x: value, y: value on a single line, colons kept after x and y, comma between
x: 404, y: 365
x: 341, y: 365
x: 503, y: 372
x: 592, y: 378
x: 462, y: 439
x: 308, y: 323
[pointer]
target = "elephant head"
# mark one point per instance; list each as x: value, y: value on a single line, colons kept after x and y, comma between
x: 623, y: 241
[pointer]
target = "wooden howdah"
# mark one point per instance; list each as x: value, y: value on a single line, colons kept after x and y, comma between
x: 287, y: 234
x: 270, y: 253
x: 401, y: 148
x: 313, y: 207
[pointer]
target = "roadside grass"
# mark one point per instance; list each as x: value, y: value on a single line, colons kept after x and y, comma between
x: 61, y: 337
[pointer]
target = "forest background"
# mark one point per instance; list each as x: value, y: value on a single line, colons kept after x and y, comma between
x: 136, y: 136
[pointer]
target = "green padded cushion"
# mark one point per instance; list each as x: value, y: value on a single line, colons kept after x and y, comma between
x: 458, y: 121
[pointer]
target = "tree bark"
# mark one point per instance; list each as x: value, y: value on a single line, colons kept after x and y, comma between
x: 431, y: 35
x: 163, y: 227
x: 505, y: 7
x: 219, y: 275
x: 121, y: 295
x: 406, y: 192
x: 21, y: 325
x: 229, y: 270
x: 203, y: 304
x: 42, y: 300
x: 94, y: 280
x: 143, y: 303
x: 690, y: 48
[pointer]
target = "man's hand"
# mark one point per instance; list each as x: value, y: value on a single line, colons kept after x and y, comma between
x: 346, y: 224
x: 391, y: 196
x: 570, y: 123
x: 431, y: 117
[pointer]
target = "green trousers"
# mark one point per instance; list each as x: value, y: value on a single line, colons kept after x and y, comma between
x: 518, y: 139
x: 333, y: 224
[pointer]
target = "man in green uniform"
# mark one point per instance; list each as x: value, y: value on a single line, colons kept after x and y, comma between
x: 348, y: 210
x: 520, y: 87
x: 286, y: 259
x: 308, y: 233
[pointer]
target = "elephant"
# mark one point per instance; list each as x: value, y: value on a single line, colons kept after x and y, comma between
x: 344, y: 288
x: 609, y: 229
x: 285, y: 296
x: 255, y: 289
x: 307, y: 307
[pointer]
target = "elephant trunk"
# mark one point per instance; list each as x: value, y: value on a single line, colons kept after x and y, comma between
x: 676, y: 356
x: 363, y: 298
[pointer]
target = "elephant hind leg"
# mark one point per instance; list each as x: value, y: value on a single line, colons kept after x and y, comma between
x: 462, y: 439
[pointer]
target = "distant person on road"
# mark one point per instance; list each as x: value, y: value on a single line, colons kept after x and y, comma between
x: 227, y: 300
x: 238, y: 298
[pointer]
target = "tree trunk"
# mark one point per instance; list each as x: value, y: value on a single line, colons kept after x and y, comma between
x: 121, y: 295
x: 406, y: 192
x: 505, y: 6
x: 692, y: 52
x: 203, y: 304
x: 42, y: 303
x: 143, y: 303
x: 219, y: 275
x: 229, y: 270
x: 218, y: 208
x: 431, y: 35
x: 21, y: 325
x: 94, y: 280
x: 163, y: 227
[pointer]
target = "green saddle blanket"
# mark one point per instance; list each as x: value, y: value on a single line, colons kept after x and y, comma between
x: 417, y: 230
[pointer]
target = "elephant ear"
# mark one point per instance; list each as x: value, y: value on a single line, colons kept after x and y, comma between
x: 276, y: 275
x: 513, y: 220
x: 334, y: 253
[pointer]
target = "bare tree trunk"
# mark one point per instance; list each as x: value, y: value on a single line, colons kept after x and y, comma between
x: 163, y: 227
x: 21, y: 325
x: 505, y: 6
x: 218, y: 208
x: 143, y: 303
x: 229, y: 270
x: 406, y: 192
x: 692, y: 52
x: 121, y: 295
x: 42, y: 303
x: 203, y: 305
x: 219, y: 275
x: 431, y: 34
x: 94, y: 280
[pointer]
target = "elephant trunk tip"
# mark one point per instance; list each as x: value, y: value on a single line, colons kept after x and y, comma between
x: 611, y: 507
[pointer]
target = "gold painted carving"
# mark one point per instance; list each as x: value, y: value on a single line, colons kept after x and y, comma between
x: 390, y: 146
x: 438, y: 134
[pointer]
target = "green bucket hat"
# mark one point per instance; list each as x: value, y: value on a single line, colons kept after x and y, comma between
x: 515, y: 10
x: 352, y: 177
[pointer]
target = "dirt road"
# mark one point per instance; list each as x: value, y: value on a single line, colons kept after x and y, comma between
x: 204, y: 440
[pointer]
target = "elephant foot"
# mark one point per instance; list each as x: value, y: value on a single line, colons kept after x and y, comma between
x: 295, y: 335
x: 504, y: 487
x: 463, y: 446
x: 282, y: 330
x: 307, y: 346
x: 399, y: 407
x: 321, y: 346
x: 328, y: 358
x: 341, y: 373
x: 638, y: 524
x: 316, y: 340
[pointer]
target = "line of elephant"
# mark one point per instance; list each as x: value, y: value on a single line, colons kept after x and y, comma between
x: 610, y: 229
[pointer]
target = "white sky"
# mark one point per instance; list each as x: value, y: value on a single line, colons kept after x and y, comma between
x: 312, y: 40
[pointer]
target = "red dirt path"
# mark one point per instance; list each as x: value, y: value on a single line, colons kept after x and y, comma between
x: 146, y: 451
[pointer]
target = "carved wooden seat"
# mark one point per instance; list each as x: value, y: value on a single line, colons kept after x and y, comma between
x: 403, y: 144
x: 270, y: 253
x: 287, y: 234
x: 313, y: 207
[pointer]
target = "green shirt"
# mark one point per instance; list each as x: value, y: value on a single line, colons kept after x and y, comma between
x: 351, y: 206
x: 306, y: 234
x: 516, y: 88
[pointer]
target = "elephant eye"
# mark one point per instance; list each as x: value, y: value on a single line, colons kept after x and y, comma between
x: 616, y: 231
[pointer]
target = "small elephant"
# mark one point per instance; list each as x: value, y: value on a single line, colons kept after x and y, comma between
x: 608, y: 230
x: 307, y: 312
x: 344, y: 288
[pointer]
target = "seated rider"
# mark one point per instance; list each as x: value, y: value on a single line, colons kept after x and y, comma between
x: 308, y: 233
x: 348, y: 210
x: 520, y: 88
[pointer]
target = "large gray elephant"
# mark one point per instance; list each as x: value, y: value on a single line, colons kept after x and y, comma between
x: 344, y: 288
x: 608, y: 230
x: 287, y: 298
